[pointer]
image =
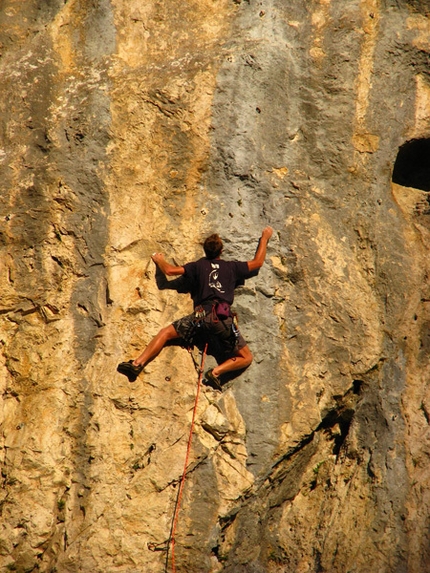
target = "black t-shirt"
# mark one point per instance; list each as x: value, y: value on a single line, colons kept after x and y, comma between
x: 215, y: 279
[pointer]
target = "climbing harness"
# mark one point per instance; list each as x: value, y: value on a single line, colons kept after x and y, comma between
x: 210, y: 322
x: 169, y: 545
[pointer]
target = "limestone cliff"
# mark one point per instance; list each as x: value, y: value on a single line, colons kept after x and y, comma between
x: 129, y: 126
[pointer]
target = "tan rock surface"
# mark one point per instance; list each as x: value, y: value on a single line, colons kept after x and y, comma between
x: 128, y: 127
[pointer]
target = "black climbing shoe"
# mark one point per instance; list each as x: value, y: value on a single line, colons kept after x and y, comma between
x: 129, y: 370
x: 214, y: 380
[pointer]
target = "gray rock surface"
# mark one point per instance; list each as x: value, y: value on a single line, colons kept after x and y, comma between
x: 128, y: 127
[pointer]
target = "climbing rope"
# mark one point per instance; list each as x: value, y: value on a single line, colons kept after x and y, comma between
x: 171, y: 540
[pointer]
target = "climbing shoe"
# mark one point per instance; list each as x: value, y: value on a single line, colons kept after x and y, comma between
x: 214, y: 380
x: 129, y: 370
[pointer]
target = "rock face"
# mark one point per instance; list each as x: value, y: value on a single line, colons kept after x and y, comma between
x: 128, y: 127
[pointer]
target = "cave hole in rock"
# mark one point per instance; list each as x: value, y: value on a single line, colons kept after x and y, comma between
x: 412, y: 165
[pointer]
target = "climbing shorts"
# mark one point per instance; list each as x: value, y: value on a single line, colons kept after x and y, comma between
x: 223, y: 332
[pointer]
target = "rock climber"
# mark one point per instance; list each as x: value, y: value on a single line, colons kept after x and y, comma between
x: 211, y: 282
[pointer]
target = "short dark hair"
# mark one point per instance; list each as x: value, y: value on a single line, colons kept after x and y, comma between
x: 213, y: 246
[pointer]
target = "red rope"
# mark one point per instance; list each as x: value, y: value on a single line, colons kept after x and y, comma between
x: 184, y: 473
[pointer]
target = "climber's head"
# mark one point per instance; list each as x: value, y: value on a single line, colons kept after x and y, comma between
x: 213, y: 246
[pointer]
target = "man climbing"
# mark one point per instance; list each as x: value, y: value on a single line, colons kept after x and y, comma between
x: 211, y: 281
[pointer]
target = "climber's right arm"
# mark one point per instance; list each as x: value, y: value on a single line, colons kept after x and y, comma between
x: 260, y: 254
